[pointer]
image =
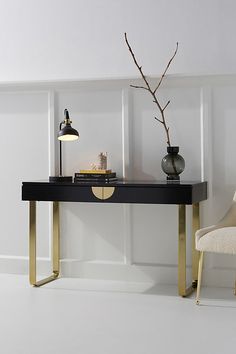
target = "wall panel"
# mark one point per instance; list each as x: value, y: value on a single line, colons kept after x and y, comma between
x: 92, y: 232
x: 24, y: 156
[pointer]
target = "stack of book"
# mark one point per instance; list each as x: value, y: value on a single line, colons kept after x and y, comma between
x: 88, y: 176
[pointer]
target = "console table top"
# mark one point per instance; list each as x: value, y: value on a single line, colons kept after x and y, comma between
x: 162, y: 183
x: 144, y: 192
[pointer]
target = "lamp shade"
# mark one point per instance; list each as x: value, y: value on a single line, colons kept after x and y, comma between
x: 68, y: 133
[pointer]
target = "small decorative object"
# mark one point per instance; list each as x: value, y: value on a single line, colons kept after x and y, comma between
x: 102, y: 161
x: 173, y: 163
x: 67, y: 133
x: 168, y: 164
x: 93, y: 166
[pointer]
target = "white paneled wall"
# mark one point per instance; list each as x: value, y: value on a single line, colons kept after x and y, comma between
x: 137, y: 242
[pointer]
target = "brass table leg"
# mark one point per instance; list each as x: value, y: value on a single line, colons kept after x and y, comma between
x: 195, y: 253
x: 32, y: 245
x: 182, y: 287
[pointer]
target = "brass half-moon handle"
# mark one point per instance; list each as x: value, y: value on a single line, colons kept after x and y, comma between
x: 103, y: 192
x: 97, y: 191
x: 108, y: 192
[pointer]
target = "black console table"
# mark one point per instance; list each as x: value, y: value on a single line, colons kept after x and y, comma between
x: 179, y: 193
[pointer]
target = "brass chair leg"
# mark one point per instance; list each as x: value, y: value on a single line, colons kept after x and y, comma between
x: 199, y: 278
x: 32, y: 245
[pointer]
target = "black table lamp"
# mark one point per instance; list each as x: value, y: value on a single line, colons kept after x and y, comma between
x: 66, y: 133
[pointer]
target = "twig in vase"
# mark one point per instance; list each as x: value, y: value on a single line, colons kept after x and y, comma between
x: 153, y: 92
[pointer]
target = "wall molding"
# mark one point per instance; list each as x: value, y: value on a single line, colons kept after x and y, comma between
x: 171, y: 80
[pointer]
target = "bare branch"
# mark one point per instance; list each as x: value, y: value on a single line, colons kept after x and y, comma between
x: 159, y: 120
x: 166, y: 105
x: 167, y: 67
x: 139, y: 87
x: 136, y: 63
x: 149, y: 89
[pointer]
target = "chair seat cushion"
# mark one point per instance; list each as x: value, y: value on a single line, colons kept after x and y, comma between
x: 222, y: 240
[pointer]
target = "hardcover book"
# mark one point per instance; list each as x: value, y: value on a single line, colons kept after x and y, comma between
x: 89, y: 180
x: 95, y: 171
x: 95, y: 175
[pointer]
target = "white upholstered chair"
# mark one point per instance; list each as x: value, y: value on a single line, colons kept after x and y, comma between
x: 219, y: 238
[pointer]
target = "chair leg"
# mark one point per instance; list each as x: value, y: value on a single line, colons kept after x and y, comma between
x: 199, y: 278
x: 235, y: 288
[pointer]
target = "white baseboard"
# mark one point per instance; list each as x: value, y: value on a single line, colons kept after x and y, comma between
x: 163, y: 274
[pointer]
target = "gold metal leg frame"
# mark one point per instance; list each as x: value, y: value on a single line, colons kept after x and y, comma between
x: 32, y: 245
x: 183, y: 290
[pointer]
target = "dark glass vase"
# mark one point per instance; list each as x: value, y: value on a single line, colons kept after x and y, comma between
x: 173, y: 164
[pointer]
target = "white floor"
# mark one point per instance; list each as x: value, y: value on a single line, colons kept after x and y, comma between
x: 72, y: 316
